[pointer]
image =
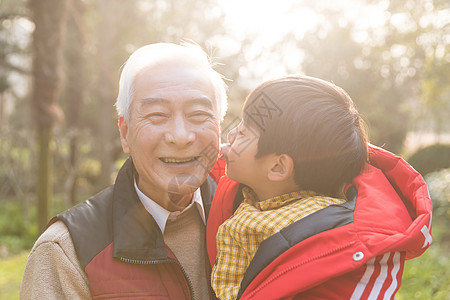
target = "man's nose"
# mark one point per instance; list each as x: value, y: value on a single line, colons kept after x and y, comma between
x: 180, y: 132
x: 231, y: 136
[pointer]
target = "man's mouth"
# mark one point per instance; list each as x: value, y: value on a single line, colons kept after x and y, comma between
x: 179, y: 161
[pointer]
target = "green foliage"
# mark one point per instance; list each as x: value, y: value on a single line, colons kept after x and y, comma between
x: 431, y: 158
x: 18, y: 227
x: 16, y: 232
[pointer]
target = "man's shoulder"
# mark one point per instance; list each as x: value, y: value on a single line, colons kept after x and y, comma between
x: 56, y: 233
x: 55, y: 243
x: 89, y: 224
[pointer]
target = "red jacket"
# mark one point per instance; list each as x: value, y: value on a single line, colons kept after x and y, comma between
x: 351, y: 251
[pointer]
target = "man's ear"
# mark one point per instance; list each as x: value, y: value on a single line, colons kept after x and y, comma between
x: 123, y: 129
x: 282, y: 168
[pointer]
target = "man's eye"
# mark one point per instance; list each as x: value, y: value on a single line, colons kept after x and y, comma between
x: 157, y: 117
x: 200, y: 116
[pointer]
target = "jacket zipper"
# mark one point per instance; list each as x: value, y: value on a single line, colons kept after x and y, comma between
x: 154, y: 262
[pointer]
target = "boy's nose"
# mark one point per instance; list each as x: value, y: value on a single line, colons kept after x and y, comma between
x: 231, y: 136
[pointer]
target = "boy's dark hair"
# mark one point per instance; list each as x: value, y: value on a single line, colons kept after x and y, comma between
x: 314, y: 122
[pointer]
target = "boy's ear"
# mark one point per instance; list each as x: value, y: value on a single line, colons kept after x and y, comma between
x: 282, y: 168
x: 123, y: 129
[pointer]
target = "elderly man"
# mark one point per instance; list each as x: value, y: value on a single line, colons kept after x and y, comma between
x: 144, y: 236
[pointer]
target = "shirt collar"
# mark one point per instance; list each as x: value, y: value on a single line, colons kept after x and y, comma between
x: 161, y: 215
x: 251, y: 198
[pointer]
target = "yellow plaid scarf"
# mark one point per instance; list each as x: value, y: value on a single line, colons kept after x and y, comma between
x: 239, y: 237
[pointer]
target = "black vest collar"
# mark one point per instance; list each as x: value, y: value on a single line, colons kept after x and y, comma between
x: 136, y: 235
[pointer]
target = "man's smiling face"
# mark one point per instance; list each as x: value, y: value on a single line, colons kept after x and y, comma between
x: 173, y: 131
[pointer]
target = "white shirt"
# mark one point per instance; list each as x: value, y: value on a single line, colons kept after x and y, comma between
x: 161, y: 215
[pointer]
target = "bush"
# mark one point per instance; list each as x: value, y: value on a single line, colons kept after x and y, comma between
x: 431, y: 158
x: 18, y: 228
x: 16, y: 233
x: 439, y: 186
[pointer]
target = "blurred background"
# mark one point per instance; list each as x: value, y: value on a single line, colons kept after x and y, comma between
x: 60, y: 62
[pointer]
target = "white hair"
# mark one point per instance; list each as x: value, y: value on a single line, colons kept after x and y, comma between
x: 154, y: 53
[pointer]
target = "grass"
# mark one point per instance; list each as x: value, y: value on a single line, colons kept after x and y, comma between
x: 428, y: 276
x: 11, y: 271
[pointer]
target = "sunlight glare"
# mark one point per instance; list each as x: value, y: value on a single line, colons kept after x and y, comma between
x: 266, y: 18
x: 263, y: 24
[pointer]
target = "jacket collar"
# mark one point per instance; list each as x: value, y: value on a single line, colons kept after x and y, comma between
x: 136, y: 236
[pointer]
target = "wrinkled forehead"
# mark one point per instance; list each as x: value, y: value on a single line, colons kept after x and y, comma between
x: 177, y: 70
x: 174, y: 80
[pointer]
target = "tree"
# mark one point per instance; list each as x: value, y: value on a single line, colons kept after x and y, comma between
x: 387, y: 68
x: 74, y: 91
x: 48, y: 17
x: 371, y: 79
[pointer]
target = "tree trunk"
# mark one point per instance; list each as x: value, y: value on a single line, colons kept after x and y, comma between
x: 44, y: 180
x: 48, y: 17
x: 74, y: 91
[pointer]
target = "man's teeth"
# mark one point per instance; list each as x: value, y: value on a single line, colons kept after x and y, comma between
x: 178, y: 161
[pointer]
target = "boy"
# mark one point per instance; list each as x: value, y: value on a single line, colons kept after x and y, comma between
x: 300, y: 143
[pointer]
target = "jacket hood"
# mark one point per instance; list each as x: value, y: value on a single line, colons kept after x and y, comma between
x: 411, y: 189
